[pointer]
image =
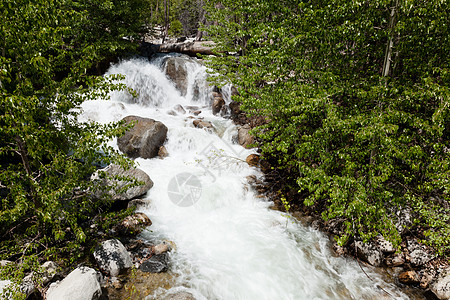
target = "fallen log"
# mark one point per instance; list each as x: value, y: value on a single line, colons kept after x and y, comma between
x: 189, y: 48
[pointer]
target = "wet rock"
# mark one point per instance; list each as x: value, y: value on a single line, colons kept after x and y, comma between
x: 218, y: 103
x: 133, y: 225
x: 144, y: 139
x: 81, y: 284
x: 202, y: 124
x: 162, y: 152
x: 114, y: 176
x: 252, y: 159
x: 156, y: 264
x: 244, y: 137
x: 176, y: 71
x: 180, y: 296
x: 369, y: 253
x: 196, y: 112
x: 409, y: 277
x: 179, y: 109
x: 160, y: 248
x: 113, y: 257
x: 441, y: 286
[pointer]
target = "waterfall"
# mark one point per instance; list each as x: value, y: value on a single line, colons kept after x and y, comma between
x: 229, y: 243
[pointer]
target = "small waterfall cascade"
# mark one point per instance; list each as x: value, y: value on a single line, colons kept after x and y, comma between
x: 229, y: 244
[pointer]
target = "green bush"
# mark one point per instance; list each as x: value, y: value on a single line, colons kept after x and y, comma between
x: 357, y: 103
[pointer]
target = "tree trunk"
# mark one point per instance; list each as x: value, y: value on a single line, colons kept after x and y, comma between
x: 191, y: 48
x: 390, y: 42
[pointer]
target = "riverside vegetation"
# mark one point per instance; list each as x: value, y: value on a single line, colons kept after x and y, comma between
x: 356, y: 101
x: 355, y: 97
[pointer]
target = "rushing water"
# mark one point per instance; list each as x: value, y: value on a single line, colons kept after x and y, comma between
x: 229, y: 243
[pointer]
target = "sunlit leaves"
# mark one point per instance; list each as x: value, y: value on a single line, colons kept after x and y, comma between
x: 359, y: 146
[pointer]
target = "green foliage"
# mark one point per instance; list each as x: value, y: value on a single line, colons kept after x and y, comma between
x: 47, y: 49
x: 359, y: 145
x: 175, y: 28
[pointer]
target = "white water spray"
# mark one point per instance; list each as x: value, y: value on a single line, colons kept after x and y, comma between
x: 229, y: 243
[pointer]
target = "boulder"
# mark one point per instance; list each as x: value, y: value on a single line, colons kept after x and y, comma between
x: 202, y: 124
x: 441, y: 286
x: 115, y: 177
x: 81, y: 284
x: 426, y: 278
x: 179, y: 109
x: 409, y: 277
x: 177, y: 72
x: 160, y: 248
x: 396, y: 260
x: 252, y: 159
x: 369, y: 253
x: 27, y: 286
x: 47, y: 273
x: 162, y: 152
x: 180, y: 296
x: 235, y: 108
x: 113, y: 257
x: 418, y: 255
x: 218, y: 103
x: 144, y: 139
x: 133, y: 225
x: 244, y: 137
x: 139, y: 204
x: 156, y: 264
x: 384, y: 245
x: 50, y: 270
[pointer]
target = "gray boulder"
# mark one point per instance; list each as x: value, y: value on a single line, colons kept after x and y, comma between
x: 144, y: 139
x: 115, y: 177
x: 418, y: 256
x: 384, y: 245
x: 441, y: 286
x: 81, y: 284
x: 156, y: 264
x: 369, y: 253
x: 113, y: 257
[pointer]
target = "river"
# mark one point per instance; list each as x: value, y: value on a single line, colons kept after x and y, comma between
x: 229, y: 243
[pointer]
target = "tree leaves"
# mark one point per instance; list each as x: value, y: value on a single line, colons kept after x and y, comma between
x: 358, y: 145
